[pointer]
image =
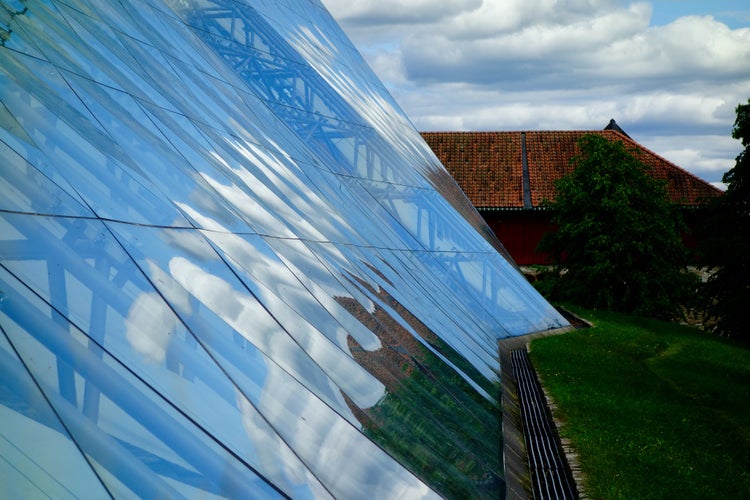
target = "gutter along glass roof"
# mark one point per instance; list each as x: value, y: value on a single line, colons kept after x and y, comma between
x: 229, y: 266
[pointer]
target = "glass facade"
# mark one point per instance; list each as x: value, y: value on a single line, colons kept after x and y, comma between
x: 230, y: 267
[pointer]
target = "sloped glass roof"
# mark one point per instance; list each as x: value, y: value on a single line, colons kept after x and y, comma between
x: 230, y: 267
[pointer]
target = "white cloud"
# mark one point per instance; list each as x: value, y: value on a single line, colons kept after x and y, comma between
x: 610, y: 48
x: 692, y: 49
x: 149, y: 326
x: 663, y: 107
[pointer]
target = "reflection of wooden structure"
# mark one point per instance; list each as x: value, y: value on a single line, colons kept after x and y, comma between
x: 509, y: 177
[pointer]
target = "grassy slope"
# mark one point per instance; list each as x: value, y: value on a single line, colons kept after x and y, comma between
x: 655, y: 410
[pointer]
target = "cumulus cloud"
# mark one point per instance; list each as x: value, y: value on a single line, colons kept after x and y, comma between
x: 689, y: 49
x: 149, y: 326
x: 561, y: 64
x: 616, y: 48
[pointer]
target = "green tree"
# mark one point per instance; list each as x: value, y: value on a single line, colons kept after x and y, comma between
x: 727, y: 241
x: 619, y: 244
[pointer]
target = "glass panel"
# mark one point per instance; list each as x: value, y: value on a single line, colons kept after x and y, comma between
x: 37, y: 456
x: 10, y: 26
x: 26, y: 189
x: 80, y: 156
x: 115, y: 418
x: 207, y: 294
x: 407, y: 350
x: 192, y: 276
x: 415, y: 290
x: 374, y: 220
x: 132, y: 323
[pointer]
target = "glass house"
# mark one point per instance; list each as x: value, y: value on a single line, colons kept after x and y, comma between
x: 231, y: 267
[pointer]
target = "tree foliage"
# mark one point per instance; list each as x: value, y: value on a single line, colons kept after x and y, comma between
x: 727, y: 238
x: 619, y: 244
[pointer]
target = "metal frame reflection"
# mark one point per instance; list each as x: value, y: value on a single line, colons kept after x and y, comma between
x: 295, y: 91
x: 54, y: 335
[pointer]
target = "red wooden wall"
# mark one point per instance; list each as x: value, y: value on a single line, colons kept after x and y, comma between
x: 520, y: 233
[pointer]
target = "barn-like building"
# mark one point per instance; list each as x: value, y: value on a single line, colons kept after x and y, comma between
x: 510, y: 178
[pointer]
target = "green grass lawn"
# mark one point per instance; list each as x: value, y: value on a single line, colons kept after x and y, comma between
x: 654, y: 409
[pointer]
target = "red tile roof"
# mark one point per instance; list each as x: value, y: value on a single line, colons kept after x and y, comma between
x: 489, y: 165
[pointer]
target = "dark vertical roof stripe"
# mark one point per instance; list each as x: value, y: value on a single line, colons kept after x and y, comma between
x: 525, y: 170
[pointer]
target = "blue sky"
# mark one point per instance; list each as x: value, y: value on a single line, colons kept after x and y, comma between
x: 669, y: 72
x: 733, y: 13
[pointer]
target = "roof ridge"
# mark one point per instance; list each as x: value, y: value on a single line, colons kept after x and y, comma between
x: 517, y: 131
x: 660, y: 157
